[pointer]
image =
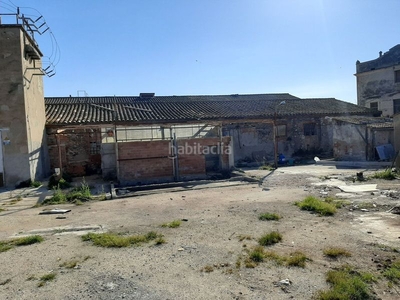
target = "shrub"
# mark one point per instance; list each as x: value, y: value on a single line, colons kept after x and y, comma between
x: 314, y: 204
x: 59, y: 197
x: 269, y: 217
x: 270, y: 238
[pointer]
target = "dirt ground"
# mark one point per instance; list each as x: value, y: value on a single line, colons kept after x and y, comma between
x: 215, y: 215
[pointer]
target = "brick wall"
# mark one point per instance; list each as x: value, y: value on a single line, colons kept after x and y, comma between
x: 78, y: 158
x: 150, y: 162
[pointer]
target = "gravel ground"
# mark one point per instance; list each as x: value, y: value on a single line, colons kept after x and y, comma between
x: 216, y: 217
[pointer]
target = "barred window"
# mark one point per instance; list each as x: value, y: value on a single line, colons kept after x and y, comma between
x: 309, y: 129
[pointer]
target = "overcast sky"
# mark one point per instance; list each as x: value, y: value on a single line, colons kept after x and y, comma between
x: 307, y: 48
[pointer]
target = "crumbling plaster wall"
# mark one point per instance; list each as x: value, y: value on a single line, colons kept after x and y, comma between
x: 253, y: 142
x: 355, y: 142
x: 378, y: 86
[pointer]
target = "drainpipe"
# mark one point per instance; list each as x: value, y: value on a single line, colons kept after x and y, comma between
x: 59, y: 153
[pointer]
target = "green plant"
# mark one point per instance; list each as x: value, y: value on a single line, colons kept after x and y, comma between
x: 336, y: 202
x: 46, y: 278
x: 173, y: 224
x: 35, y: 184
x: 59, y: 197
x: 28, y: 240
x: 296, y: 259
x: 314, y: 204
x: 346, y: 283
x: 70, y: 264
x: 335, y: 252
x: 392, y: 273
x: 243, y: 237
x: 388, y: 174
x: 207, y: 269
x: 269, y: 217
x: 23, y: 241
x: 266, y: 167
x: 257, y: 254
x: 117, y: 240
x: 160, y: 240
x: 270, y: 238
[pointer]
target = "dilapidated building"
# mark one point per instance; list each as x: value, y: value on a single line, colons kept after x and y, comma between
x: 378, y: 82
x: 151, y: 138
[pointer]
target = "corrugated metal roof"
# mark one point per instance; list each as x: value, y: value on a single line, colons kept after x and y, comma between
x: 96, y: 110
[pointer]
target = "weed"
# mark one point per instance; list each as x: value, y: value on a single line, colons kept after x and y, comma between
x: 346, y: 284
x: 207, y: 269
x: 2, y: 209
x: 28, y: 240
x: 160, y: 240
x: 69, y: 264
x: 311, y: 203
x: 173, y: 224
x: 385, y: 247
x: 35, y: 184
x: 266, y: 167
x: 15, y: 200
x: 4, y: 246
x: 270, y: 238
x: 257, y: 254
x: 30, y: 278
x: 46, y: 278
x: 392, y: 273
x: 23, y: 241
x: 335, y: 252
x: 77, y: 195
x: 336, y: 202
x: 296, y: 259
x: 118, y: 241
x: 59, y: 197
x: 269, y: 217
x: 387, y: 175
x: 243, y: 237
x: 248, y: 263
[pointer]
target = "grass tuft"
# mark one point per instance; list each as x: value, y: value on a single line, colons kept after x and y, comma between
x: 28, y: 240
x: 46, y: 278
x: 257, y: 254
x: 269, y: 217
x: 270, y: 238
x: 114, y: 240
x: 314, y: 204
x: 392, y: 273
x: 346, y: 284
x: 386, y: 175
x: 173, y: 224
x: 23, y: 241
x: 296, y: 259
x: 335, y: 252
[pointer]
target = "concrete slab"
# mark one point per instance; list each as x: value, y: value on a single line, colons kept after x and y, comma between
x: 358, y: 188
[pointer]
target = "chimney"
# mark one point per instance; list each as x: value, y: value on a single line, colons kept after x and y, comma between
x: 380, y: 53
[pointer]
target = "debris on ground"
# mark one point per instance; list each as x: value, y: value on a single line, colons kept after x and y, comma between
x: 54, y: 211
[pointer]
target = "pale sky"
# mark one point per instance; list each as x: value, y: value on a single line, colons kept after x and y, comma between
x: 307, y: 48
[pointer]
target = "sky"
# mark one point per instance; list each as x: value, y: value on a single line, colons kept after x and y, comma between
x: 307, y: 48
